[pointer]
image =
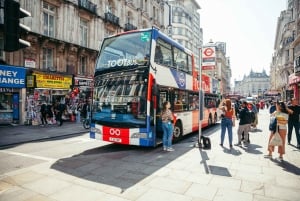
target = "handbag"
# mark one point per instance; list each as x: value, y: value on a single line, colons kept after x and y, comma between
x: 276, y: 139
x: 273, y: 124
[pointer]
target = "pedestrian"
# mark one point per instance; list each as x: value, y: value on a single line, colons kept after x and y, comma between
x: 50, y: 113
x: 244, y: 124
x: 227, y: 120
x: 253, y: 108
x: 282, y: 115
x: 60, y: 109
x: 293, y: 121
x: 272, y: 107
x: 167, y: 126
x: 43, y: 111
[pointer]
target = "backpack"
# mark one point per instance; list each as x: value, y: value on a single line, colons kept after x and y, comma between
x: 206, y: 142
x: 251, y: 116
x: 273, y: 124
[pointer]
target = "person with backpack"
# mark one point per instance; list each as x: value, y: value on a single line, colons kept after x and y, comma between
x: 244, y: 124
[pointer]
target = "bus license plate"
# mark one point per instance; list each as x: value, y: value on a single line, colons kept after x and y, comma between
x: 112, y: 139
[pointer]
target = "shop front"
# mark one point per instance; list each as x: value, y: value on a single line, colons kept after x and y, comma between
x: 48, y: 89
x: 12, y: 84
x: 294, y: 85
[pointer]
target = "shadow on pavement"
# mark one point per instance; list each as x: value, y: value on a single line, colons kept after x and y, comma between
x: 287, y: 166
x: 118, y: 165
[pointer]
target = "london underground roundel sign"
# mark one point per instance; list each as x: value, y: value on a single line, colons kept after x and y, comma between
x: 208, y: 52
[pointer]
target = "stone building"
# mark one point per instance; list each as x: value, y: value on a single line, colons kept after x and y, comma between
x: 65, y: 38
x: 255, y: 84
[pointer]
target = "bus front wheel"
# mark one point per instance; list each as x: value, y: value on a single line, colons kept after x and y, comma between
x: 177, y: 132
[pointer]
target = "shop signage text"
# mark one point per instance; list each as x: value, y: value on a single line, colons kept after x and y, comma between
x: 12, y: 77
x: 53, y: 81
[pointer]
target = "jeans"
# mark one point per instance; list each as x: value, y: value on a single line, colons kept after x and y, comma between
x: 226, y: 123
x: 168, y: 134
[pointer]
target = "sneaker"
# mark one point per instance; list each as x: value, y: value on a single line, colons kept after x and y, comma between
x: 280, y: 159
x: 165, y: 148
x: 268, y: 156
x: 246, y: 144
x: 238, y: 144
x: 170, y: 149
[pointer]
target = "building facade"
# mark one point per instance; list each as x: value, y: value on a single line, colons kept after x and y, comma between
x: 256, y: 84
x: 65, y: 37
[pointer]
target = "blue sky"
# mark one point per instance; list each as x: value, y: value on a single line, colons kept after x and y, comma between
x: 247, y: 26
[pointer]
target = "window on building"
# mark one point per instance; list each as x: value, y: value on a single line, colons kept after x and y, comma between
x: 83, y: 33
x: 82, y: 68
x: 48, y: 19
x: 47, y: 59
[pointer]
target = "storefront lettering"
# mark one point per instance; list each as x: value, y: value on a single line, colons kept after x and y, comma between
x: 53, y: 77
x: 12, y: 77
x: 8, y: 73
x: 122, y: 62
x: 5, y: 80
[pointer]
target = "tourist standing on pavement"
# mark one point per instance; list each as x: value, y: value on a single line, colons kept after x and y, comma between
x: 226, y: 122
x: 282, y: 115
x: 43, y: 111
x: 293, y: 122
x: 167, y: 126
x: 244, y: 124
x: 59, y: 109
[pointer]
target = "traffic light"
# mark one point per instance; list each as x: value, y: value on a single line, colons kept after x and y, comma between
x: 12, y: 26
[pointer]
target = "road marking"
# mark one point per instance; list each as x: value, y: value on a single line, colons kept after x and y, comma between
x: 28, y: 155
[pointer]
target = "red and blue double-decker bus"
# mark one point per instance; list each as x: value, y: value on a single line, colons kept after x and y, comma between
x: 135, y: 73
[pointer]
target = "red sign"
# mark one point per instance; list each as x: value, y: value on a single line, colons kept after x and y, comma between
x: 208, y: 52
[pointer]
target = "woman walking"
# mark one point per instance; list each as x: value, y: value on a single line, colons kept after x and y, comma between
x: 282, y: 115
x: 167, y: 126
x: 227, y: 121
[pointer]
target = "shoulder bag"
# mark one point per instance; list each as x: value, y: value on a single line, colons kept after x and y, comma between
x: 276, y: 139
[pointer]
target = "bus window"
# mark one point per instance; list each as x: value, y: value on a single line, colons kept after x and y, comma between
x: 158, y: 58
x: 193, y: 101
x: 180, y: 59
x: 166, y: 51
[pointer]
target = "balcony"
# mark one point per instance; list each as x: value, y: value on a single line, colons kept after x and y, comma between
x: 111, y: 18
x: 88, y: 6
x: 129, y: 27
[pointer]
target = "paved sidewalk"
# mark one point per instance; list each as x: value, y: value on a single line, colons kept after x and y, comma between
x: 187, y: 174
x: 10, y: 135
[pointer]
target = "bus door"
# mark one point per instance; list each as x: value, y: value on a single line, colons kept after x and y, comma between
x: 163, y: 95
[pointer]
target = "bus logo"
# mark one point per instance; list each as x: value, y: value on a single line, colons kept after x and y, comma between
x: 114, y: 131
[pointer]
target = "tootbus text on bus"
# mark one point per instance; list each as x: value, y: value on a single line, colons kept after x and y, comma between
x: 135, y: 73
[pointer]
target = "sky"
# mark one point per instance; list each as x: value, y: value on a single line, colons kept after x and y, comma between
x: 248, y: 27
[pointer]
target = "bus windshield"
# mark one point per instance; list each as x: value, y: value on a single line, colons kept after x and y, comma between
x: 120, y: 97
x: 124, y: 51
